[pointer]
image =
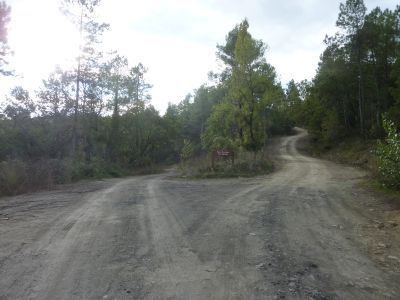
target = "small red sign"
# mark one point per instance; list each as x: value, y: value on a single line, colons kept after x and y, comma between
x: 223, y: 153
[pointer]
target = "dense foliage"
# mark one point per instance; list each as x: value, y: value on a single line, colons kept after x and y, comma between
x: 388, y: 153
x: 358, y: 76
x: 91, y: 121
x: 96, y: 119
x: 357, y: 82
x: 252, y: 96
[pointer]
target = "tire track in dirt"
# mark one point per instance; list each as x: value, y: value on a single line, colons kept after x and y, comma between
x: 289, y: 235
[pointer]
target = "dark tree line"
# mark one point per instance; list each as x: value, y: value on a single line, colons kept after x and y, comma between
x: 357, y: 81
x: 96, y: 119
x: 355, y: 93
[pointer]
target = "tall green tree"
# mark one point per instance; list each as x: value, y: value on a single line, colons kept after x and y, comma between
x: 250, y: 83
x: 56, y: 94
x: 293, y: 100
x: 351, y: 19
x: 81, y: 13
x: 355, y: 82
x: 55, y: 106
x: 21, y: 105
x: 394, y: 111
x: 128, y: 92
x: 381, y: 32
x: 114, y: 74
x: 138, y: 88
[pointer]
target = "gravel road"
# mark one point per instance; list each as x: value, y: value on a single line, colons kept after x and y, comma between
x: 307, y: 231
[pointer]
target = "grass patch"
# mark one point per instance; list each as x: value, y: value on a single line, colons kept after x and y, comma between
x: 355, y: 152
x: 350, y: 151
x: 245, y: 166
x: 375, y: 185
x: 17, y: 176
x: 363, y: 153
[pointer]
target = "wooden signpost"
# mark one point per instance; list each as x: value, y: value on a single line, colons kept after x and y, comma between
x: 222, y: 154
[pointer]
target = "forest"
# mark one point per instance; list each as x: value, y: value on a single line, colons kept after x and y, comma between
x: 96, y: 120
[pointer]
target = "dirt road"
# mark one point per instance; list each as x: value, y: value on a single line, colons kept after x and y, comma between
x: 305, y: 232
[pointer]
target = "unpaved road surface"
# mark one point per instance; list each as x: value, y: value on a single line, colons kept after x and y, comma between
x: 308, y: 231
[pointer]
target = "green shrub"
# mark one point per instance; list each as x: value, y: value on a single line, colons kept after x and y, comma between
x: 241, y: 168
x: 332, y: 128
x: 18, y: 176
x: 13, y: 176
x: 187, y: 150
x: 97, y: 168
x: 388, y: 153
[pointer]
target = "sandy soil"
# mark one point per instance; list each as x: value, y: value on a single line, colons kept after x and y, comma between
x: 308, y: 231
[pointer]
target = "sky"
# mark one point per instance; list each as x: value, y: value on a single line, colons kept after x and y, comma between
x: 175, y: 39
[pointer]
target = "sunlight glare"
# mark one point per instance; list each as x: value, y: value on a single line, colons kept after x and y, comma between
x: 41, y: 37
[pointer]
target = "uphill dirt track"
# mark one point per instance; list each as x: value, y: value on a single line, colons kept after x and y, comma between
x: 308, y: 231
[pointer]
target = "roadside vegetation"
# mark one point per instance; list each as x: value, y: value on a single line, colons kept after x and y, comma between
x: 245, y: 165
x: 388, y: 153
x: 352, y: 106
x: 96, y: 120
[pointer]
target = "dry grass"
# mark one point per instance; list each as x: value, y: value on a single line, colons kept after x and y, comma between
x: 244, y: 166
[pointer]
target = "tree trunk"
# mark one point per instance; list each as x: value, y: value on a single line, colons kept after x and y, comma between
x: 360, y: 94
x: 76, y: 105
x: 114, y: 138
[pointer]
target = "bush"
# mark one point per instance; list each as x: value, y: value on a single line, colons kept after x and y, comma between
x: 187, y: 150
x: 332, y: 129
x: 388, y: 153
x: 13, y: 177
x: 241, y: 169
x: 97, y: 168
x: 17, y: 176
x: 245, y: 165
